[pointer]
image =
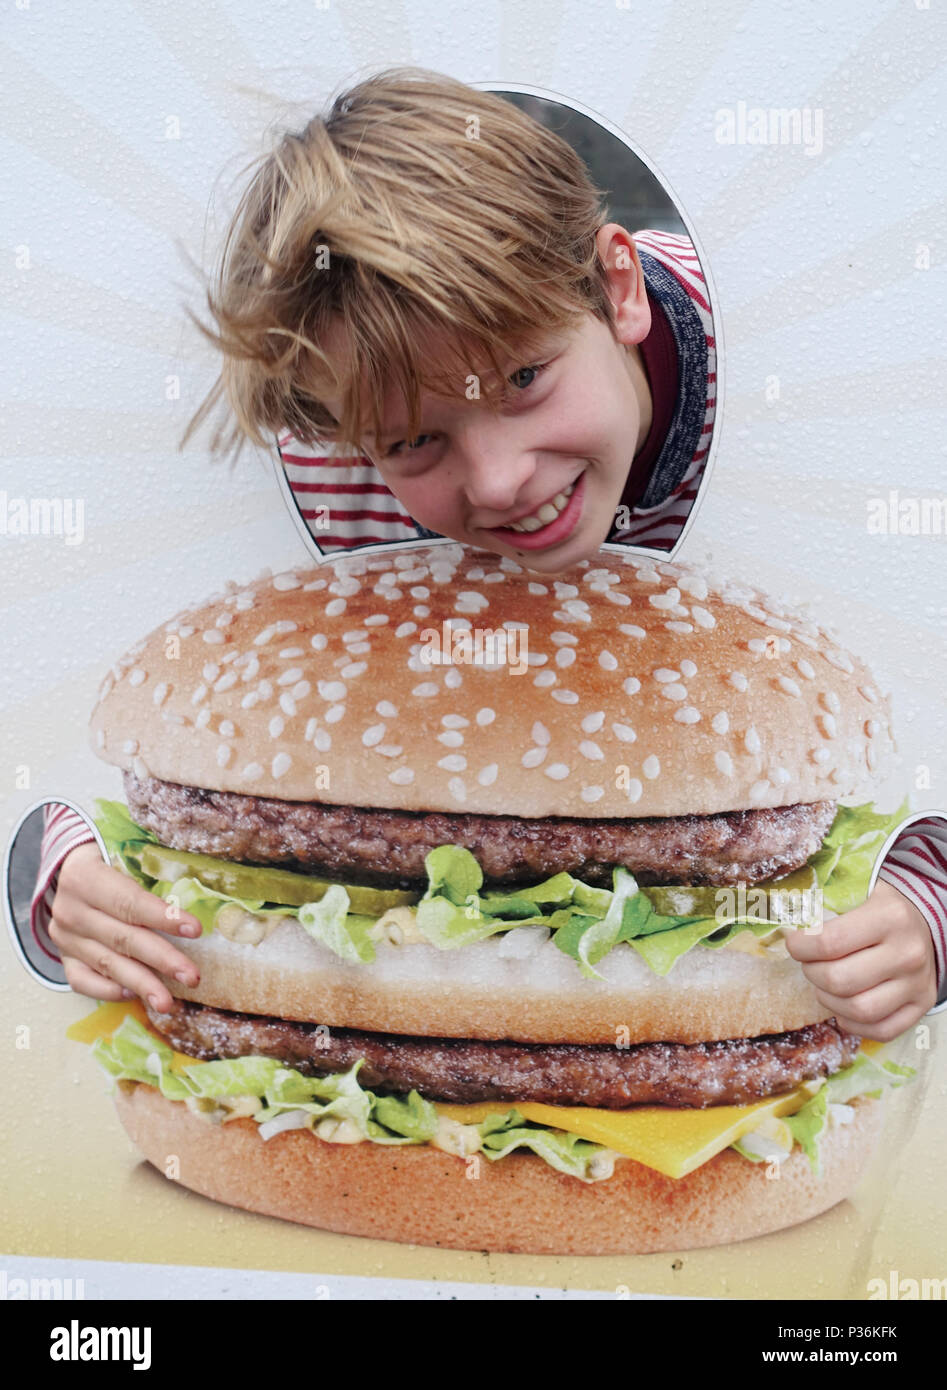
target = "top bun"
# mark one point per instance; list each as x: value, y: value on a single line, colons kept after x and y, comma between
x: 647, y: 691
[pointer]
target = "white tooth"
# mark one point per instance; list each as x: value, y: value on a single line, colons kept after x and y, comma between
x: 560, y: 499
x: 531, y: 523
x: 547, y: 513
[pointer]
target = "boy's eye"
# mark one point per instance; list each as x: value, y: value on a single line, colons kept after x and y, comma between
x: 418, y: 442
x: 524, y: 385
x: 406, y: 443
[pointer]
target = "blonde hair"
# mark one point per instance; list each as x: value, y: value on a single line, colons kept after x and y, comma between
x: 417, y: 206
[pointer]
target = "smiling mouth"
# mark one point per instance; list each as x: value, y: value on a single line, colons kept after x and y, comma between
x: 535, y: 521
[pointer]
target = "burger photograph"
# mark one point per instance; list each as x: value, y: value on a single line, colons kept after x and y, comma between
x: 494, y: 947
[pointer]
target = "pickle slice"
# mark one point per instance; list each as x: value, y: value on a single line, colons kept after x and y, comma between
x: 250, y: 881
x: 782, y: 896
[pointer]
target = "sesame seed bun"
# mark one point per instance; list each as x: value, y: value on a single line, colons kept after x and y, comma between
x: 645, y: 691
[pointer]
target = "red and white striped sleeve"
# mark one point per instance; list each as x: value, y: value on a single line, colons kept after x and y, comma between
x: 63, y: 830
x: 916, y: 864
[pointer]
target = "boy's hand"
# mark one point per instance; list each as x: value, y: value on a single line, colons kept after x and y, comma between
x: 103, y: 925
x: 874, y: 967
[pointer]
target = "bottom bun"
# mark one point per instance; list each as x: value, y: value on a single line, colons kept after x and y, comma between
x: 420, y: 1195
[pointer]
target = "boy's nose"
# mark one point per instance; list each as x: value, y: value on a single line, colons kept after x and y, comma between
x: 495, y: 477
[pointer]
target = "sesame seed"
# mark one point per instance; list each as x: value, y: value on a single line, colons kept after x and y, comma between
x: 290, y: 677
x: 485, y: 715
x: 590, y: 750
x: 451, y: 739
x: 557, y: 771
x: 334, y: 713
x: 386, y: 709
x: 787, y: 684
x: 757, y: 644
x: 752, y: 740
x: 759, y: 790
x: 212, y: 635
x: 831, y: 701
x: 457, y: 788
x: 540, y: 734
x: 805, y: 668
x: 738, y: 680
x: 276, y: 726
x: 841, y: 660
x: 821, y: 755
x: 286, y: 652
x: 871, y: 758
x: 872, y: 727
x: 702, y: 618
x: 373, y: 735
x: 607, y: 661
x: 488, y: 775
x: 203, y: 719
x: 780, y: 775
x: 199, y: 694
x: 210, y: 671
x: 565, y: 697
x: 688, y: 668
x: 318, y: 641
x: 171, y: 718
x: 457, y: 721
x: 160, y: 692
x: 651, y: 767
x: 425, y: 690
x: 624, y: 733
x: 352, y: 670
x: 720, y: 722
x: 226, y: 681
x: 322, y: 740
x: 226, y: 729
x: 827, y: 724
x: 679, y: 627
x: 632, y: 630
x: 331, y: 690
x: 188, y: 631
x: 252, y: 770
x: 870, y: 694
x: 452, y: 678
x: 533, y: 757
x: 280, y: 764
x: 674, y: 691
x: 248, y: 701
x: 224, y: 752
x: 335, y: 606
x: 593, y: 722
x: 286, y: 581
x: 130, y: 745
x: 140, y: 769
x: 453, y: 762
x: 687, y: 715
x: 565, y: 656
x: 663, y: 673
x: 635, y: 788
x: 136, y: 677
x: 401, y: 776
x: 723, y: 763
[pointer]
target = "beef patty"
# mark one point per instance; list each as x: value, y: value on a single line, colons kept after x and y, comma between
x: 387, y: 848
x: 732, y: 1072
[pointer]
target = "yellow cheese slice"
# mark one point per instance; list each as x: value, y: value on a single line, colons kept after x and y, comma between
x: 104, y: 1020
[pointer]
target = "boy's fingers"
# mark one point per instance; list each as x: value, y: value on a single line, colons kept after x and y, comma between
x: 852, y: 974
x: 129, y: 902
x: 138, y: 943
x: 85, y: 980
x: 840, y: 936
x: 122, y: 970
x: 861, y: 1010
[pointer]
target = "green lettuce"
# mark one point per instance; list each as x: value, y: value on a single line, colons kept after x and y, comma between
x: 586, y: 923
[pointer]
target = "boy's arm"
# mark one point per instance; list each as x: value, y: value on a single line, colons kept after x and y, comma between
x: 63, y: 830
x: 916, y: 864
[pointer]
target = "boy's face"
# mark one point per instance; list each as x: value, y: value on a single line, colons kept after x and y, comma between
x: 574, y: 424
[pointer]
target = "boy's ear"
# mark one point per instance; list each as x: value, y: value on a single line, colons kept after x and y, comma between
x: 626, y: 283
